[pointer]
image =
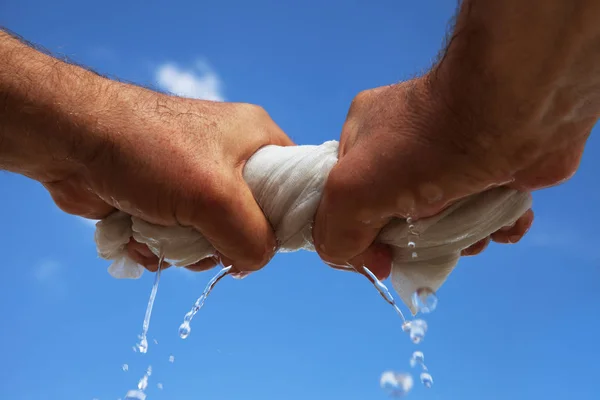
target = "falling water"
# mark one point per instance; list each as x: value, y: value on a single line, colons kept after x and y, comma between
x: 142, y: 345
x: 383, y: 291
x: 185, y: 328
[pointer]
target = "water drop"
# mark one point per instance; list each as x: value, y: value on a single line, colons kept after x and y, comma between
x: 418, y: 358
x: 409, y: 220
x: 135, y: 395
x: 142, y: 346
x: 424, y: 300
x: 125, y: 367
x: 411, y: 245
x: 171, y: 359
x: 143, y: 383
x: 396, y: 384
x: 426, y: 379
x: 155, y: 341
x: 184, y: 328
x: 159, y: 385
x: 414, y: 254
x: 417, y: 329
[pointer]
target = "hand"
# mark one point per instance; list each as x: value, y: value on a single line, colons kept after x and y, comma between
x: 98, y: 145
x: 180, y: 161
x: 402, y: 153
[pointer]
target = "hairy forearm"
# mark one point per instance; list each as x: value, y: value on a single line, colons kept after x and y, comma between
x: 513, y: 64
x: 42, y: 109
x: 54, y: 115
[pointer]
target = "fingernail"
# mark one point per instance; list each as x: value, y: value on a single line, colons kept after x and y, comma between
x: 506, y: 228
x: 240, y: 275
x: 514, y: 238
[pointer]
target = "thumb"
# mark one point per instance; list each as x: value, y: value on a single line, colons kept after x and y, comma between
x: 358, y: 202
x: 345, y: 228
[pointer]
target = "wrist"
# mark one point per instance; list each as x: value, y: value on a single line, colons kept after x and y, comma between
x: 537, y: 75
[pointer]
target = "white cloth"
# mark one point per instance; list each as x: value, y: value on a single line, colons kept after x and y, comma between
x: 288, y: 182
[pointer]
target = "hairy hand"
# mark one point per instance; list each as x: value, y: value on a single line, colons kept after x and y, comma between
x: 402, y: 153
x: 171, y: 160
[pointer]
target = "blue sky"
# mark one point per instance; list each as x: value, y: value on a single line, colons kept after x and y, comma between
x: 517, y: 322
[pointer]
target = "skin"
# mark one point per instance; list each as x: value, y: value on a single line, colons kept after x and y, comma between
x: 98, y: 145
x: 511, y: 102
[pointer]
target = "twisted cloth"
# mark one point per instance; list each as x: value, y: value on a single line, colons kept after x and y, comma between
x: 287, y: 183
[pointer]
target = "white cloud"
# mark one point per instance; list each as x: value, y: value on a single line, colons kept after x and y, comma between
x: 199, y: 82
x: 50, y: 275
x: 47, y: 271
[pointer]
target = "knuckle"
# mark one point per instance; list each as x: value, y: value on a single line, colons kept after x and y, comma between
x: 360, y: 101
x: 254, y: 258
x: 252, y: 110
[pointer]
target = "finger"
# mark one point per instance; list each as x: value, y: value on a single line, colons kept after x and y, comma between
x: 228, y: 215
x: 361, y: 194
x: 140, y: 253
x: 233, y: 223
x: 378, y: 258
x: 72, y: 198
x: 342, y: 229
x: 347, y: 268
x: 203, y: 265
x: 476, y: 248
x: 514, y: 233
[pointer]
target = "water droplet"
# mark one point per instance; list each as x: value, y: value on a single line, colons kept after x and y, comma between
x: 417, y: 330
x: 159, y: 385
x: 143, y: 383
x: 409, y: 220
x: 414, y: 254
x: 411, y: 227
x: 125, y: 367
x: 142, y: 346
x: 417, y: 359
x: 426, y: 379
x: 411, y: 245
x: 155, y: 341
x: 396, y: 384
x: 424, y: 300
x: 135, y: 395
x: 184, y: 330
x: 134, y: 348
x: 171, y: 359
x: 383, y: 291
